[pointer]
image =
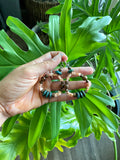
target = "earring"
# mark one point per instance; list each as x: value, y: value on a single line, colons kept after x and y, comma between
x: 64, y: 84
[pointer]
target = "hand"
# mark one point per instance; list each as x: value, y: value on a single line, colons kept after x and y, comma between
x: 19, y: 90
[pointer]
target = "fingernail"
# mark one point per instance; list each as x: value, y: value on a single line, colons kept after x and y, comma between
x: 57, y: 56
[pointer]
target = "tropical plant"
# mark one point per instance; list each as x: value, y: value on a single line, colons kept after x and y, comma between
x: 42, y: 129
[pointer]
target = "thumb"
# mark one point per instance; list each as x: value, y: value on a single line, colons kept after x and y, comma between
x: 40, y: 68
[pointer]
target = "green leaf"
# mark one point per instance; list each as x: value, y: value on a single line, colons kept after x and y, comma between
x: 54, y: 10
x: 98, y: 85
x: 12, y: 56
x: 35, y: 151
x: 113, y: 26
x: 65, y: 23
x: 8, y: 125
x: 94, y: 8
x: 36, y: 125
x: 68, y: 122
x: 88, y: 35
x: 54, y: 32
x: 106, y: 6
x: 115, y: 11
x: 109, y: 65
x: 15, y: 144
x: 98, y: 126
x: 32, y: 40
x: 108, y: 101
x: 55, y: 112
x: 83, y: 117
x: 100, y: 109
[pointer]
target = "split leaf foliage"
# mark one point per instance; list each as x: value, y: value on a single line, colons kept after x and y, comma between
x: 42, y: 129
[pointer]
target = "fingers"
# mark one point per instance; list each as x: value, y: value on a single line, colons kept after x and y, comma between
x: 38, y: 69
x: 82, y: 70
x: 55, y: 86
x: 48, y: 56
x: 63, y: 97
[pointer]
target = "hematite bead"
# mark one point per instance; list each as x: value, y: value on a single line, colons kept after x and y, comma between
x: 58, y: 72
x: 44, y: 92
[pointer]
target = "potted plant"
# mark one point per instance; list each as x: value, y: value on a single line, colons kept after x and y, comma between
x: 85, y: 40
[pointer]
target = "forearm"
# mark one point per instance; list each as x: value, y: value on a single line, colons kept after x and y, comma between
x: 3, y: 115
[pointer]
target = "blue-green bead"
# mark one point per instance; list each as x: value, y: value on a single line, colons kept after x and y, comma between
x: 70, y: 70
x: 83, y: 92
x: 58, y: 72
x: 81, y: 95
x: 44, y: 93
x: 50, y: 94
x: 47, y: 94
x: 77, y: 95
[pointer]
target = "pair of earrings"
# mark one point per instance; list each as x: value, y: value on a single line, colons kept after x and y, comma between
x: 64, y: 84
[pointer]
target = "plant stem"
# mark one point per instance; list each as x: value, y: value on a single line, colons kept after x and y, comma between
x: 115, y: 149
x: 118, y: 134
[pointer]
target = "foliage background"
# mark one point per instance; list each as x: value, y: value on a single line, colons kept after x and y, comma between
x: 79, y: 25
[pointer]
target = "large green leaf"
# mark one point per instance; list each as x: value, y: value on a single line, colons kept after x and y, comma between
x: 99, y: 108
x: 65, y: 29
x: 15, y: 144
x: 99, y: 8
x: 54, y: 32
x: 83, y: 117
x: 98, y: 126
x: 55, y: 112
x: 11, y: 56
x: 8, y: 125
x: 36, y: 125
x: 88, y: 35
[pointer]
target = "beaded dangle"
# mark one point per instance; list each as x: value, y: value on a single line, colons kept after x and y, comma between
x: 64, y: 85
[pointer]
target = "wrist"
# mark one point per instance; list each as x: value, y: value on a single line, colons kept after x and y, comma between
x: 3, y: 115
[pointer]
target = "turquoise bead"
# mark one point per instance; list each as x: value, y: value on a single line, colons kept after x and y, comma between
x: 77, y: 95
x: 47, y: 94
x: 50, y: 95
x: 83, y: 92
x: 58, y: 72
x: 44, y: 93
x: 81, y: 95
x: 70, y: 70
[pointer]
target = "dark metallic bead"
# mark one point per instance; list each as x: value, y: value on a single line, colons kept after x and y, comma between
x: 58, y: 72
x: 60, y: 69
x: 46, y: 76
x: 69, y: 67
x: 66, y: 82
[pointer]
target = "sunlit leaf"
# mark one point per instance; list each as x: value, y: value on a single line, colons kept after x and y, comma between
x: 36, y: 125
x: 83, y: 117
x: 8, y: 125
